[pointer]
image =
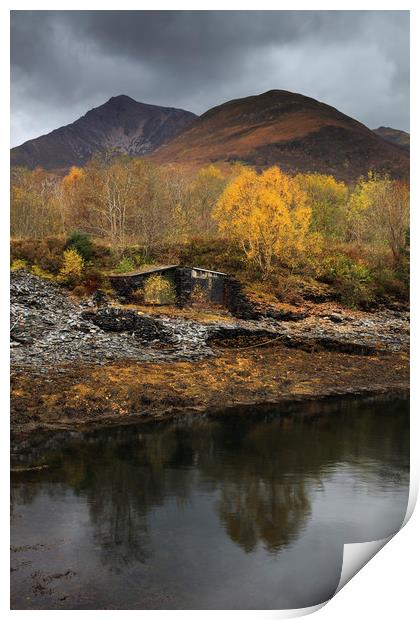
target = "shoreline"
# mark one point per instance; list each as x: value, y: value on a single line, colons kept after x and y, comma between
x: 239, y: 409
x: 90, y: 397
x: 80, y: 364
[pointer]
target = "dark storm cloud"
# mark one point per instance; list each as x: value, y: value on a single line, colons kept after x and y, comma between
x: 65, y: 62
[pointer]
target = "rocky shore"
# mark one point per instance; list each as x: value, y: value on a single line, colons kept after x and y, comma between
x: 77, y: 362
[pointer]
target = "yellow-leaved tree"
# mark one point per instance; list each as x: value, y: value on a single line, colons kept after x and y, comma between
x: 379, y: 213
x: 159, y: 290
x: 72, y: 268
x: 71, y: 198
x: 267, y: 214
x: 328, y: 199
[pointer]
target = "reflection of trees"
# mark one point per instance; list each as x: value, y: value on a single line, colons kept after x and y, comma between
x: 122, y: 474
x: 128, y: 474
x: 266, y: 469
x: 261, y: 470
x: 267, y: 511
x: 116, y: 504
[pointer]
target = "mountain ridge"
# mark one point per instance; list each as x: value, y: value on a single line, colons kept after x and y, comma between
x: 120, y: 124
x: 298, y: 133
x: 395, y: 136
x: 278, y: 127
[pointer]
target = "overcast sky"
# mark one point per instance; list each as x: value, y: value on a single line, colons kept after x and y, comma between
x: 67, y: 62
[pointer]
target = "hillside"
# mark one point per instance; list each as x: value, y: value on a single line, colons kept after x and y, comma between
x: 121, y: 124
x: 291, y: 130
x: 395, y: 136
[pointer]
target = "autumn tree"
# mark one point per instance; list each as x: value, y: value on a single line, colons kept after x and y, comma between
x: 34, y: 204
x: 267, y: 214
x: 120, y: 199
x: 327, y: 198
x: 159, y: 290
x: 69, y: 195
x: 108, y: 195
x: 72, y: 268
x: 379, y: 213
x: 176, y: 181
x: 204, y: 192
x: 150, y: 216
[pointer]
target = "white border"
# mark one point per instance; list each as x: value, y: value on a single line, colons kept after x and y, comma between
x: 387, y: 585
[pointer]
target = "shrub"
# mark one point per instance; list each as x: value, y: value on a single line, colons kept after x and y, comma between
x: 351, y: 279
x: 159, y: 290
x: 41, y: 273
x: 125, y: 265
x: 134, y: 253
x: 47, y: 253
x: 138, y: 259
x: 93, y: 281
x: 81, y: 242
x: 390, y: 284
x: 18, y: 265
x: 72, y: 268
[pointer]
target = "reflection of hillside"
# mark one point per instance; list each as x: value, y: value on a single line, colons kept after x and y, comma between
x: 261, y: 472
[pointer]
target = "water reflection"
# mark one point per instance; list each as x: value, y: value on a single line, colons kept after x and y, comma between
x: 264, y: 511
x: 259, y: 475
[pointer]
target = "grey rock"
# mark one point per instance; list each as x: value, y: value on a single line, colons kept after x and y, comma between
x: 48, y: 329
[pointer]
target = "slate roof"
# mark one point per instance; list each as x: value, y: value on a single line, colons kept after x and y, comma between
x: 145, y: 271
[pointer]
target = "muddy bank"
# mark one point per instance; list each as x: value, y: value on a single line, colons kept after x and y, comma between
x: 76, y: 396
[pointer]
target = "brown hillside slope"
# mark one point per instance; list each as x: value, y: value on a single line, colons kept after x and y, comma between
x: 287, y: 129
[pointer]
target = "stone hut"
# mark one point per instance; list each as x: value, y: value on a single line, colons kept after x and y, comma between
x: 189, y: 282
x: 185, y: 280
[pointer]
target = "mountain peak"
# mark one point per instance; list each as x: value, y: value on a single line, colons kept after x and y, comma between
x: 121, y: 124
x: 278, y: 127
x: 121, y: 99
x: 394, y: 136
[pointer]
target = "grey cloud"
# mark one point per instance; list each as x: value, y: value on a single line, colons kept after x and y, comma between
x: 65, y: 62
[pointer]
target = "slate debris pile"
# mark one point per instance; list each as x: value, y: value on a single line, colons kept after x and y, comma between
x: 144, y: 328
x: 48, y: 328
x: 355, y: 331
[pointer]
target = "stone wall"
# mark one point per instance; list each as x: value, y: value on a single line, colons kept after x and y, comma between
x: 183, y: 286
x: 237, y: 302
x: 234, y: 298
x: 126, y: 285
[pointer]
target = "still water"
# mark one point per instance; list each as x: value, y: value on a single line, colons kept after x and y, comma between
x: 207, y: 513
